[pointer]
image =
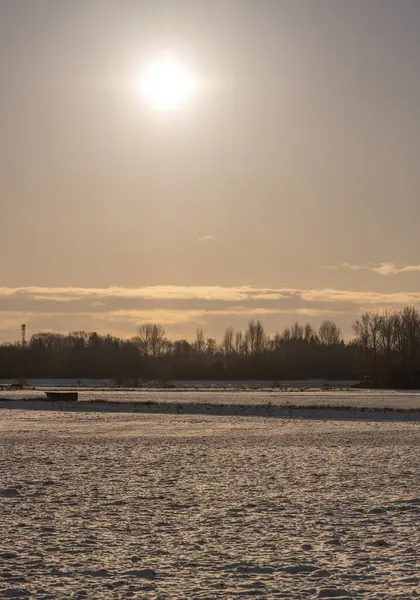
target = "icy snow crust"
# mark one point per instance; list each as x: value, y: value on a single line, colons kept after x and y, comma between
x: 165, y: 506
x: 269, y: 402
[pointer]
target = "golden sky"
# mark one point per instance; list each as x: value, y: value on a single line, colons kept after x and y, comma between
x: 287, y: 188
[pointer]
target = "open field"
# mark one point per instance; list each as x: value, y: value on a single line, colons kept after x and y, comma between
x: 367, y: 399
x: 310, y: 404
x: 156, y: 506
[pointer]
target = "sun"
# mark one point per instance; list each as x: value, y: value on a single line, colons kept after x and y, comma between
x: 166, y: 85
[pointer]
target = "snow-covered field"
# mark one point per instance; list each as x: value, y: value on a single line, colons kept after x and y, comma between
x: 356, y: 399
x: 164, y: 506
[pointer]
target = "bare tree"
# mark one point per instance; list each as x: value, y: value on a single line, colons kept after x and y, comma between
x: 260, y: 338
x: 167, y: 346
x: 246, y: 344
x: 151, y: 339
x: 308, y: 332
x: 387, y: 335
x: 277, y: 342
x: 181, y: 348
x: 409, y: 337
x: 227, y: 343
x: 361, y: 329
x: 199, y: 344
x: 256, y: 337
x: 329, y: 333
x: 251, y: 335
x: 296, y: 331
x: 211, y: 346
x: 238, y: 341
x: 286, y: 336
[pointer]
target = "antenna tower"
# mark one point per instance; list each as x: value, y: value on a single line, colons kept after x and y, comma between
x: 23, y: 334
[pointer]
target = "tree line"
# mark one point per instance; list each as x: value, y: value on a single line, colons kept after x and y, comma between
x: 384, y: 352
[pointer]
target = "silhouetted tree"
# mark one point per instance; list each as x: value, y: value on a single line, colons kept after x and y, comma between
x: 200, y: 344
x: 386, y: 348
x: 151, y: 339
x: 296, y: 332
x: 227, y: 344
x: 329, y: 333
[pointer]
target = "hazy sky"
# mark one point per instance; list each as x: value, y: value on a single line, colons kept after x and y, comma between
x: 289, y: 188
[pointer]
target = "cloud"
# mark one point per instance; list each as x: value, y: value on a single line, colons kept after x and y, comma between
x: 181, y: 308
x: 271, y: 295
x: 385, y: 269
x: 206, y: 238
x: 99, y: 298
x: 166, y: 317
x: 159, y: 292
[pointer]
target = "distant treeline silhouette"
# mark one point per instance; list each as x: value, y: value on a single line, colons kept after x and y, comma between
x: 385, y: 351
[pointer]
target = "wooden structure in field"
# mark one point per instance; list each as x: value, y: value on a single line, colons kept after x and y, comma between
x: 62, y: 396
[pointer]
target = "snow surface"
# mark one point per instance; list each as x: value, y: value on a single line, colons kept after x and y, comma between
x: 155, y: 506
x: 362, y: 399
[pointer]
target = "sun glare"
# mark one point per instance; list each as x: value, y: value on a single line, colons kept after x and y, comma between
x: 166, y: 85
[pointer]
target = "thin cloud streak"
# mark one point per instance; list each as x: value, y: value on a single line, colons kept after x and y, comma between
x: 163, y: 316
x: 359, y: 298
x: 206, y: 238
x: 98, y: 296
x: 385, y: 268
x: 160, y: 292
